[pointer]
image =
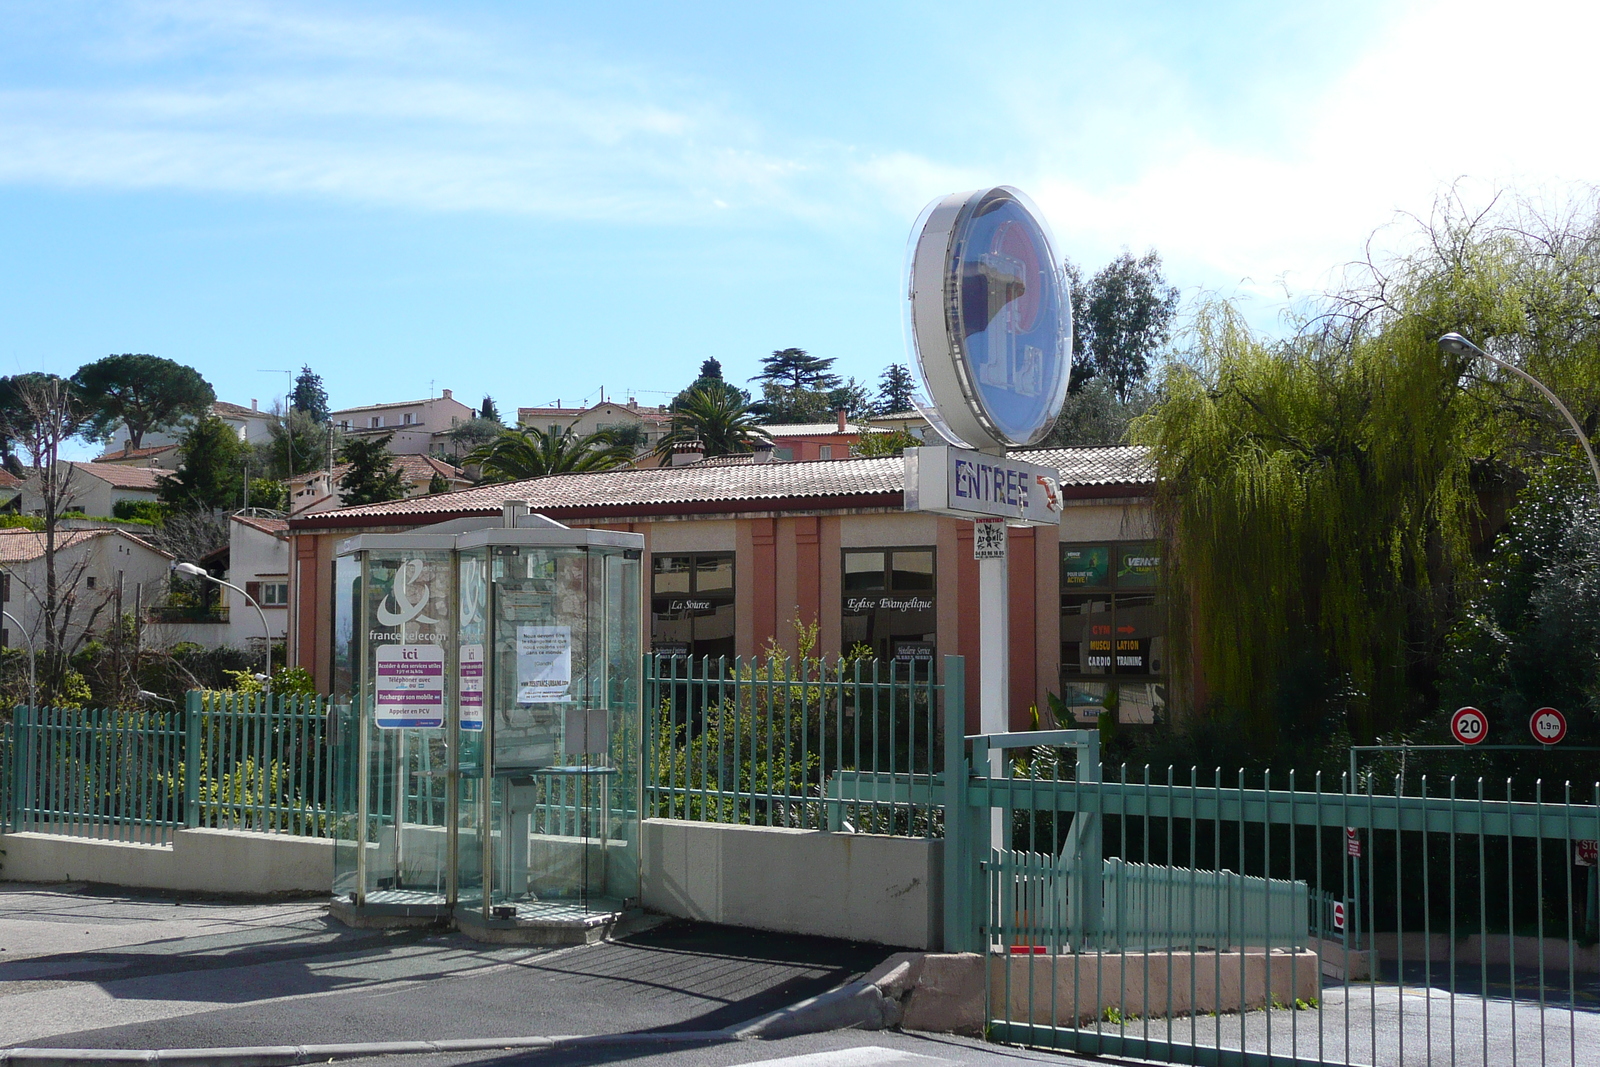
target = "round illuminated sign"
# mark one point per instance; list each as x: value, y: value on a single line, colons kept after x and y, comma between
x: 990, y: 316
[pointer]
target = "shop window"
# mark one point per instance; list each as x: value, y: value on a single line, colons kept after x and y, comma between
x: 1112, y: 631
x: 889, y: 603
x: 691, y: 606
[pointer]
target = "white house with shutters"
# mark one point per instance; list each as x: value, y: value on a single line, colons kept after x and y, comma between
x: 258, y: 562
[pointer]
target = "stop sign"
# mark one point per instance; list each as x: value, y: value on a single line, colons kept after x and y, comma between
x: 1469, y: 725
x: 1548, y: 726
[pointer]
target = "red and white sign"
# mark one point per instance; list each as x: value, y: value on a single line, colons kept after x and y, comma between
x: 1587, y: 854
x: 1469, y: 725
x: 1338, y: 915
x: 1352, y: 841
x: 1548, y: 726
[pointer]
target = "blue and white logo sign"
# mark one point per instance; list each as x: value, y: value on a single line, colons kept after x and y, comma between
x: 990, y: 316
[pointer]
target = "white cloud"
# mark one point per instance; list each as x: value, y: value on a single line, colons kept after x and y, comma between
x: 413, y: 113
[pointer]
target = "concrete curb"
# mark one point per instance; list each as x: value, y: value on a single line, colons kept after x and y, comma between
x: 859, y: 1005
x: 294, y: 1055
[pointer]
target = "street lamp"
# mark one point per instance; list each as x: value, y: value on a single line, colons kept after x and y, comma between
x: 33, y: 684
x: 1456, y: 345
x: 191, y: 571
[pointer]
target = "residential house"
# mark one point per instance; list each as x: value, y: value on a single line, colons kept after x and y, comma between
x: 798, y: 442
x: 738, y: 551
x: 256, y: 560
x: 419, y: 427
x: 250, y: 423
x: 96, y: 569
x: 10, y: 491
x: 912, y: 422
x: 162, y: 457
x: 96, y: 488
x: 319, y: 490
x: 652, y: 422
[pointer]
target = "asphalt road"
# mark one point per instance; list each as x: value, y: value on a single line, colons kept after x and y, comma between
x: 82, y: 967
x: 104, y: 969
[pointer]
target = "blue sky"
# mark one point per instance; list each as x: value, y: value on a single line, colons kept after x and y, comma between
x: 537, y: 200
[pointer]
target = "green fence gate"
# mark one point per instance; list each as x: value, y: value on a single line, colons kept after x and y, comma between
x: 1207, y: 917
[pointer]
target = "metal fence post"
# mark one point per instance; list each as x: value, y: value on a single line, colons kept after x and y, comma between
x: 1085, y: 853
x: 957, y: 862
x: 21, y: 768
x: 192, y: 712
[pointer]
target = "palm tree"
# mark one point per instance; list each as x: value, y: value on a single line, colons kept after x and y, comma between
x: 532, y: 453
x: 720, y: 421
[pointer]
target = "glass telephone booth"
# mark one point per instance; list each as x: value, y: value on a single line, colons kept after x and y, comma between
x: 494, y: 673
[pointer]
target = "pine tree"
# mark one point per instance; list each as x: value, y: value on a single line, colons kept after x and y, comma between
x: 795, y: 368
x: 895, y: 387
x: 489, y: 411
x: 309, y: 396
x: 373, y: 477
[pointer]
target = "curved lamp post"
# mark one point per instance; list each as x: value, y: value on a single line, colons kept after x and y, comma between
x: 33, y: 684
x: 191, y: 571
x: 1456, y: 345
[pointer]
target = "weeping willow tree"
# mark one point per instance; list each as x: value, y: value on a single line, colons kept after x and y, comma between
x: 1327, y: 497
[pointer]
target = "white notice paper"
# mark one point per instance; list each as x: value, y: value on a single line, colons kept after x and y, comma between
x: 544, y: 664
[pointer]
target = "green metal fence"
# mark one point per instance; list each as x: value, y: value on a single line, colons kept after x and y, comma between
x: 232, y: 760
x: 1436, y: 921
x: 844, y: 745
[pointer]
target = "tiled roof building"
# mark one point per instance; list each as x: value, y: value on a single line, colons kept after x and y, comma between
x: 739, y: 549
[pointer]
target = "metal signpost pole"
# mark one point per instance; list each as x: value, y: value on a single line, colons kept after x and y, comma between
x: 994, y: 668
x: 990, y: 322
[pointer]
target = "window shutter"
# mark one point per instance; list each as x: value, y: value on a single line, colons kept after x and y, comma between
x: 253, y: 591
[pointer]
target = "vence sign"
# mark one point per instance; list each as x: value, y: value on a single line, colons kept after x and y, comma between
x: 971, y: 485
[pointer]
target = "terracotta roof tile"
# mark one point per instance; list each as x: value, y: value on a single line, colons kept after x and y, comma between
x: 21, y: 546
x: 275, y: 527
x: 731, y: 483
x: 124, y: 477
x: 815, y: 429
x: 223, y: 409
x: 9, y: 480
x: 132, y: 453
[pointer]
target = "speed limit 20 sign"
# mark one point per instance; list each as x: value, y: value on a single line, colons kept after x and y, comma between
x: 1548, y: 726
x: 1469, y: 726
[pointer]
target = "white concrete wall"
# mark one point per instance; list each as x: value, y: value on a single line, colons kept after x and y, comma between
x: 217, y: 861
x: 863, y: 887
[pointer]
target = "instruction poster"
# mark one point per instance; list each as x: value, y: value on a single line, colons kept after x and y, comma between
x: 544, y: 664
x: 472, y: 687
x: 410, y: 687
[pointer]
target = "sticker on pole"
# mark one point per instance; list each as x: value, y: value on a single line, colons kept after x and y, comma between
x: 410, y: 689
x: 1352, y: 841
x: 1548, y: 726
x: 988, y: 539
x: 1586, y: 853
x: 1469, y: 726
x: 1338, y: 915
